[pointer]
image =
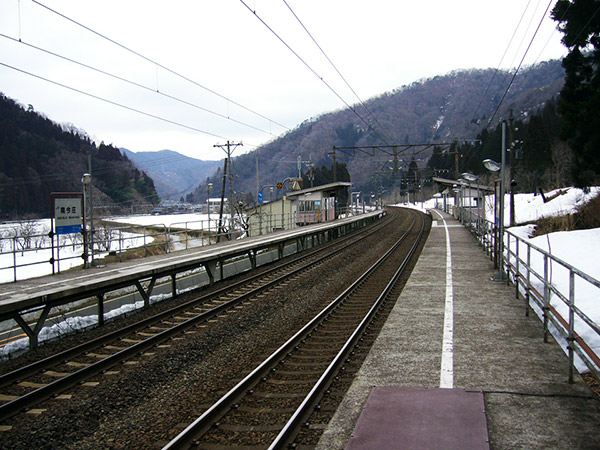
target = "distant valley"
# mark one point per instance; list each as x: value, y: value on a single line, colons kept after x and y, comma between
x: 175, y: 175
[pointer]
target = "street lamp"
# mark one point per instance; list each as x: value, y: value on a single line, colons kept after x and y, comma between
x: 472, y: 178
x: 208, y: 188
x: 456, y: 189
x: 493, y: 166
x: 462, y: 183
x: 86, y: 179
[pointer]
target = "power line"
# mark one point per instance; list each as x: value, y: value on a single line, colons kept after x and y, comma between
x: 501, y: 60
x: 189, y: 80
x: 525, y: 33
x: 335, y: 68
x: 548, y: 41
x: 507, y: 74
x: 311, y: 69
x: 133, y: 83
x: 111, y: 102
x: 519, y: 66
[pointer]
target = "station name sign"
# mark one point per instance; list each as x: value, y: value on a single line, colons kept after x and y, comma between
x: 67, y: 213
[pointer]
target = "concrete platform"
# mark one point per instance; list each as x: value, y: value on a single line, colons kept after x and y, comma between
x: 454, y: 328
x: 218, y: 262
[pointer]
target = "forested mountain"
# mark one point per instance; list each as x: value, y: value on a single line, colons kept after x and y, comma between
x: 537, y: 157
x: 456, y: 106
x: 38, y: 156
x: 579, y: 104
x: 175, y: 175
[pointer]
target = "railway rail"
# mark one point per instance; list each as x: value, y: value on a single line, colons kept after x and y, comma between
x: 27, y: 387
x: 270, y: 406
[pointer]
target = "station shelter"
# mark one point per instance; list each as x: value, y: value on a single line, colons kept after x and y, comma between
x: 270, y: 216
x: 301, y: 207
x: 318, y: 204
x: 456, y: 196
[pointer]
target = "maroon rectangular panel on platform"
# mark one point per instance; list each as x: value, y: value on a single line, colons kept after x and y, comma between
x: 421, y: 418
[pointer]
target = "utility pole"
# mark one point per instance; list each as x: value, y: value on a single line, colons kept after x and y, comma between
x: 91, y: 239
x: 334, y: 166
x: 511, y: 159
x: 229, y: 151
x: 455, y: 147
x: 257, y: 180
x: 220, y: 228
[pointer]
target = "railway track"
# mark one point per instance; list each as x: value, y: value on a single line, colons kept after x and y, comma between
x: 270, y: 406
x: 29, y: 386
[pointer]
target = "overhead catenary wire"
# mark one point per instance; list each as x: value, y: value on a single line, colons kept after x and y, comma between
x: 520, y: 64
x: 337, y: 71
x: 133, y: 83
x: 111, y: 102
x: 172, y: 71
x: 310, y: 68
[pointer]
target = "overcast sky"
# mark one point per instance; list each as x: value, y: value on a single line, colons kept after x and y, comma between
x: 222, y: 46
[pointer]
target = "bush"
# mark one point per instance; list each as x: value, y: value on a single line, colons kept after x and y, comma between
x: 587, y: 216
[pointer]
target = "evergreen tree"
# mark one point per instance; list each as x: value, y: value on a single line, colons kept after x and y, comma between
x: 537, y: 155
x: 580, y: 96
x: 38, y: 157
x: 440, y: 163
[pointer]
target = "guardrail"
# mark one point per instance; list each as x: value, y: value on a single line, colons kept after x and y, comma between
x: 549, y: 285
x: 25, y: 252
x: 25, y: 255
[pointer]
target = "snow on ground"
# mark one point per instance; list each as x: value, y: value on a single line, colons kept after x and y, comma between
x: 71, y: 325
x: 34, y: 261
x: 579, y: 249
x: 191, y: 221
x: 418, y: 206
x: 530, y: 207
x: 71, y: 257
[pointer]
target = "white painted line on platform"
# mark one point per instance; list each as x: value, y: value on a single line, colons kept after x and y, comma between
x: 447, y: 367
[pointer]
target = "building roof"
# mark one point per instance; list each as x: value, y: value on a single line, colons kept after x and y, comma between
x: 324, y: 187
x: 451, y: 183
x: 250, y: 209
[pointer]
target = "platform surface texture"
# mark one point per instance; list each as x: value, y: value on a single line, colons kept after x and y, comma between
x: 453, y: 328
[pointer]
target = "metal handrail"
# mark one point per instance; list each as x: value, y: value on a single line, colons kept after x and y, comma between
x: 49, y: 253
x: 538, y: 289
x: 115, y: 241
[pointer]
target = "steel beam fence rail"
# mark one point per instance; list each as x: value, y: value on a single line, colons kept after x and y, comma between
x: 549, y: 285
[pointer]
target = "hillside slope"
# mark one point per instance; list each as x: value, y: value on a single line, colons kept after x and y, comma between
x: 38, y: 157
x: 440, y: 109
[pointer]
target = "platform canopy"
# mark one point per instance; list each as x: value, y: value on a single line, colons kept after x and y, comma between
x: 326, y: 189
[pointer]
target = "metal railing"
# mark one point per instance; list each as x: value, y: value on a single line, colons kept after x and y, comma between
x: 33, y: 254
x: 21, y: 249
x: 549, y: 285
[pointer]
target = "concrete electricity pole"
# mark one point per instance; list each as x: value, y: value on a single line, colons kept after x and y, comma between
x: 228, y: 148
x: 509, y: 176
